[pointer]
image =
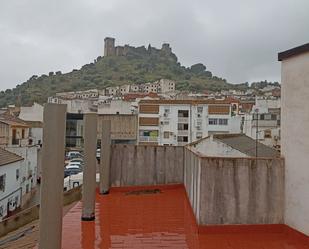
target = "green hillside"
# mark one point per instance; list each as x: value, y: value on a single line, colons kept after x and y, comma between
x: 140, y: 65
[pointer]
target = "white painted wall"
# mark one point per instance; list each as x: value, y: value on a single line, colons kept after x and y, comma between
x: 213, y: 147
x: 32, y: 113
x: 295, y: 140
x: 114, y: 107
x: 12, y: 193
x: 29, y: 169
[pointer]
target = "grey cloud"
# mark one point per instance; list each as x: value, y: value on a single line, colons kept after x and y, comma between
x: 237, y: 40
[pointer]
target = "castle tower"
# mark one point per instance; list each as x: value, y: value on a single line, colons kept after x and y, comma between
x: 166, y: 48
x: 109, y: 46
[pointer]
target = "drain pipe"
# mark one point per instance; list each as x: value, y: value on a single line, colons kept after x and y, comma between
x: 105, y: 157
x: 89, y: 175
x: 52, y: 176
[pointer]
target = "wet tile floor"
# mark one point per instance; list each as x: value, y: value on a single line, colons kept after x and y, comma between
x: 162, y: 219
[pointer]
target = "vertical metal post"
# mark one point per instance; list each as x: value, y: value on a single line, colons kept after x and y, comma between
x: 105, y: 157
x: 52, y: 176
x: 89, y: 174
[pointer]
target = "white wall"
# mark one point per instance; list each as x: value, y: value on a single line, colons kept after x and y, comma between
x: 12, y: 187
x: 32, y: 113
x: 115, y: 107
x: 29, y: 164
x: 213, y: 147
x: 295, y: 140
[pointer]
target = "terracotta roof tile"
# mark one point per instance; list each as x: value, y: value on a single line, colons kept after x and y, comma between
x: 7, y: 157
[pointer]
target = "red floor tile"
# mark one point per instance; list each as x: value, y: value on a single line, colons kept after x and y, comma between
x: 163, y: 220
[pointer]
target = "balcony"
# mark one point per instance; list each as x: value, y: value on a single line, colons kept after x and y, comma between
x: 183, y: 132
x: 183, y: 120
x: 148, y: 139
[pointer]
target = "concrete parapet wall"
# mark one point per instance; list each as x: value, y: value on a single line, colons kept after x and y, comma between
x: 226, y: 190
x: 133, y: 165
x: 26, y: 216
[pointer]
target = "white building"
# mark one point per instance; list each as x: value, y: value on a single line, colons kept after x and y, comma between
x: 179, y: 122
x: 29, y: 169
x: 295, y: 135
x: 10, y: 183
x: 112, y: 91
x: 115, y: 107
x: 264, y: 121
x: 232, y: 145
x: 33, y: 116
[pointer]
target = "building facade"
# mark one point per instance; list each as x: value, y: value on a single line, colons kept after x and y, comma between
x: 179, y: 122
x: 295, y: 135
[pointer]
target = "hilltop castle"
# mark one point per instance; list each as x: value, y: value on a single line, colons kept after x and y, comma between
x: 111, y: 50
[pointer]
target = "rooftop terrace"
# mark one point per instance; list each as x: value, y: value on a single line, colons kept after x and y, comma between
x: 161, y: 217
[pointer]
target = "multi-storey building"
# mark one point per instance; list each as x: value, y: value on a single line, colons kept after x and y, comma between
x: 263, y: 122
x: 178, y: 122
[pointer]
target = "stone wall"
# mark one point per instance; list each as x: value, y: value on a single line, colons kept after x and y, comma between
x: 133, y: 165
x: 226, y: 190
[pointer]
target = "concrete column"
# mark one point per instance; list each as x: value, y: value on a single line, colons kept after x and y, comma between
x: 52, y: 176
x: 89, y: 175
x: 105, y: 157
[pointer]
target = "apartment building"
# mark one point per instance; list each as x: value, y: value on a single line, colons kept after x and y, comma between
x: 263, y: 122
x: 179, y: 122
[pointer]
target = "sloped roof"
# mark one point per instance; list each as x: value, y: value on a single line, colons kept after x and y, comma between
x: 7, y: 157
x: 12, y: 120
x: 246, y: 145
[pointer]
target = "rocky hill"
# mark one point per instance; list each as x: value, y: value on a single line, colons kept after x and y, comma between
x: 138, y: 65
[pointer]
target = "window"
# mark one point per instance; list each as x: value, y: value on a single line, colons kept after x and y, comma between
x: 166, y: 134
x: 267, y: 134
x: 273, y: 116
x: 183, y: 127
x: 213, y: 121
x: 199, y: 135
x: 223, y: 121
x: 17, y: 174
x: 182, y: 139
x: 262, y: 117
x: 23, y: 133
x: 2, y: 183
x: 183, y: 113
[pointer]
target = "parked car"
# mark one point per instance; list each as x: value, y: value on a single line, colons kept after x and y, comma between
x: 71, y: 171
x: 77, y: 160
x: 73, y: 154
x: 74, y: 165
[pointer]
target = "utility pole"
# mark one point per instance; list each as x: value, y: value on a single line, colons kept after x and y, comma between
x: 257, y: 132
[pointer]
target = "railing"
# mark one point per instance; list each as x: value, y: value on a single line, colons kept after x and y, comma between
x: 182, y: 132
x: 182, y: 143
x: 183, y: 120
x: 148, y: 139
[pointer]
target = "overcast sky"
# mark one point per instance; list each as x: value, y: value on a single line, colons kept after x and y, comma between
x: 238, y: 40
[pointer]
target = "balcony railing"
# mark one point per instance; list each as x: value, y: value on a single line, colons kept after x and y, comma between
x: 182, y: 132
x: 183, y: 120
x: 148, y: 139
